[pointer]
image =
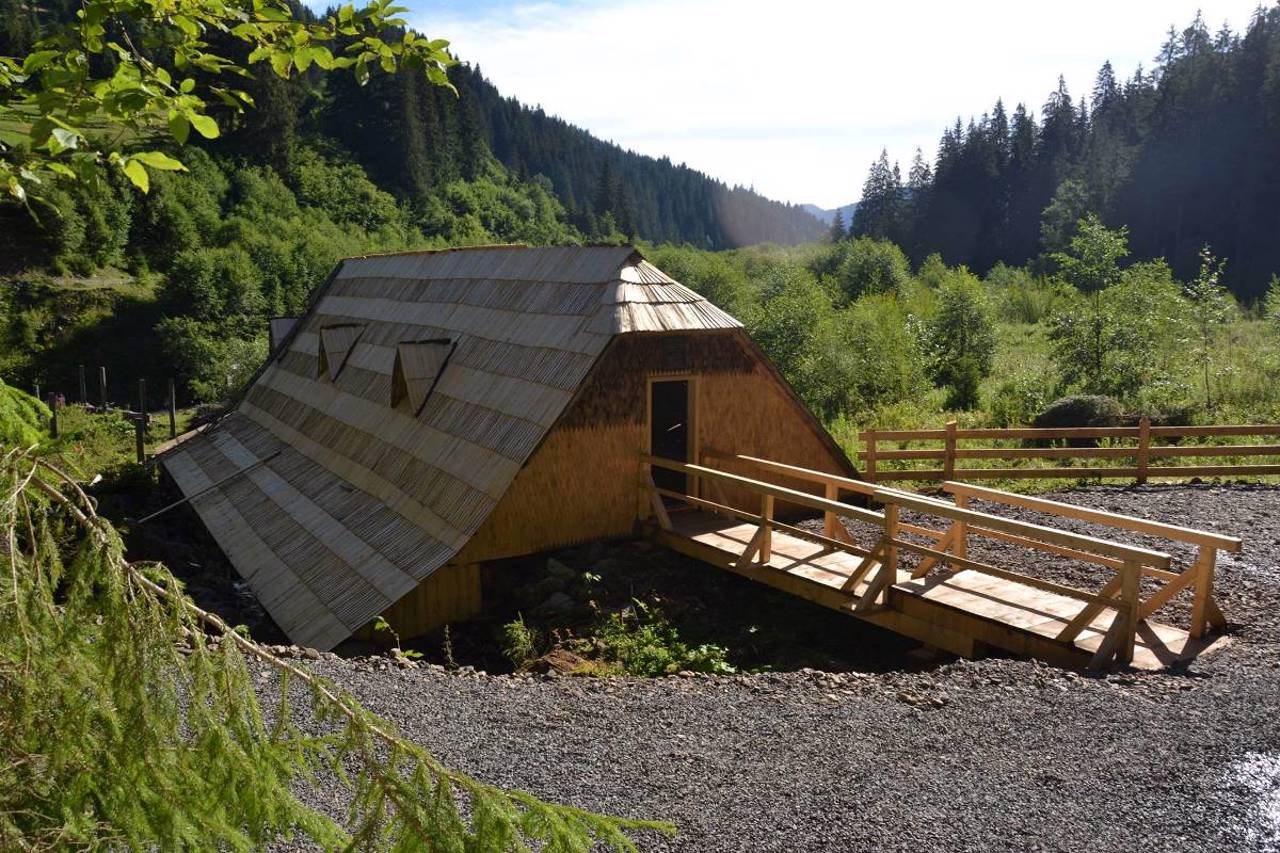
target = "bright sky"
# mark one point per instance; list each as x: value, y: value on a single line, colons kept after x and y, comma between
x: 796, y: 98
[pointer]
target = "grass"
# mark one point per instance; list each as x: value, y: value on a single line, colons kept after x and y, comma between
x: 1244, y: 380
x: 92, y: 443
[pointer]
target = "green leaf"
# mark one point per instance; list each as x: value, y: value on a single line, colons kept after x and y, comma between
x: 186, y: 86
x: 35, y: 61
x: 61, y: 139
x: 159, y: 160
x: 179, y: 127
x: 16, y: 189
x: 281, y: 61
x: 137, y: 175
x: 205, y: 126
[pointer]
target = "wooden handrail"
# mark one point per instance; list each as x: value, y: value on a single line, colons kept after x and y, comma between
x: 806, y: 474
x: 789, y: 495
x: 1144, y: 556
x: 1096, y: 516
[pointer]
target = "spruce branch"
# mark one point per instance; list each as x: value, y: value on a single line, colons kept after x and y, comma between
x: 152, y: 738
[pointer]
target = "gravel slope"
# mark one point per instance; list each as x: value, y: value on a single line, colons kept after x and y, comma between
x: 989, y: 755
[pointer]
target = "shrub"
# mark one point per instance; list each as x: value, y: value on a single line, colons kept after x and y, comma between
x: 961, y: 337
x: 1016, y: 401
x: 643, y: 643
x: 1080, y: 410
x: 855, y: 267
x: 519, y: 642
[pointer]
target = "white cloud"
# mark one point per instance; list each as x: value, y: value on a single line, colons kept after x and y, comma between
x: 798, y: 98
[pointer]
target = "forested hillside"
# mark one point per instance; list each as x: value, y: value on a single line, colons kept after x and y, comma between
x: 414, y: 139
x: 1184, y: 154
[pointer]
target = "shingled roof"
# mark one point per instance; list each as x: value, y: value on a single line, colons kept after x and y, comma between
x: 348, y: 502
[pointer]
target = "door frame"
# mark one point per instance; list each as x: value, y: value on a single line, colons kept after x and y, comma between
x: 692, y: 453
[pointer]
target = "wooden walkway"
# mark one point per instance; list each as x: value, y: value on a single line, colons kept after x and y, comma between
x: 944, y: 598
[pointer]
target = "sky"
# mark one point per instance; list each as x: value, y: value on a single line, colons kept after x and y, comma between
x: 797, y: 97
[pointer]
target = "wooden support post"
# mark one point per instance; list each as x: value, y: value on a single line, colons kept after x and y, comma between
x: 1130, y: 575
x: 36, y: 391
x: 949, y: 460
x: 84, y: 387
x: 869, y: 437
x: 1204, y: 589
x: 766, y: 527
x: 890, y: 534
x: 960, y: 541
x: 140, y: 425
x: 830, y: 521
x: 53, y: 419
x: 1144, y: 448
x: 102, y: 387
x: 173, y: 411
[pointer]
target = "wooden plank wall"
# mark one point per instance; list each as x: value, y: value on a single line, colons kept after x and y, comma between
x: 581, y: 484
x: 450, y: 594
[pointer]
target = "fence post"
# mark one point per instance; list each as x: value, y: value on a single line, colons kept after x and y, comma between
x: 766, y: 528
x: 84, y: 387
x: 140, y: 425
x: 949, y: 460
x: 1144, y: 448
x: 102, y: 386
x: 173, y: 411
x: 869, y: 438
x: 36, y: 391
x: 53, y: 420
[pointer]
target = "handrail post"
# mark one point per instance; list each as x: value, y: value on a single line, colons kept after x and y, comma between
x: 1130, y: 576
x: 960, y: 539
x: 869, y: 438
x: 766, y: 528
x: 1144, y: 448
x: 1204, y: 589
x: 829, y: 521
x: 890, y: 534
x: 949, y: 459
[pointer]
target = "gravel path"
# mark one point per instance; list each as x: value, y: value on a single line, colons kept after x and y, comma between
x: 989, y: 755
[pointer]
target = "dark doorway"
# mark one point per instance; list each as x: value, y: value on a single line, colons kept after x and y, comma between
x: 669, y: 430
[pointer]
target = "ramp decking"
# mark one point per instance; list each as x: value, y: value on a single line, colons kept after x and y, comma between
x: 944, y: 598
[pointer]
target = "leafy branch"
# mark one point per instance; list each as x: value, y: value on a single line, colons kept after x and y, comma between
x: 136, y: 70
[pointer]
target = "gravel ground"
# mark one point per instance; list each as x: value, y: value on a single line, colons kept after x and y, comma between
x: 996, y: 754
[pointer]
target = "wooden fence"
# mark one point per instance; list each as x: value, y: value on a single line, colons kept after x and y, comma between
x: 1138, y: 445
x: 141, y: 417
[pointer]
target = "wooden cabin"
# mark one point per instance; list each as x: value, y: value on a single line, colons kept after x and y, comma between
x: 436, y: 410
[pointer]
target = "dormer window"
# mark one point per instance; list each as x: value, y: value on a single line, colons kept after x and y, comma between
x: 335, y: 345
x: 418, y: 367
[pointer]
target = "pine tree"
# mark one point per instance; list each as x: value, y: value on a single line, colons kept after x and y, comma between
x: 838, y: 231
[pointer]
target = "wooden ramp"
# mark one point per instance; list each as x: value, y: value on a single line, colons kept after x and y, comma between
x: 942, y: 597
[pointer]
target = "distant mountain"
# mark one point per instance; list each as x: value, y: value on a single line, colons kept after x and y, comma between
x: 828, y: 215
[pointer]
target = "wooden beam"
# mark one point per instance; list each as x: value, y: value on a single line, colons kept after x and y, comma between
x: 1205, y: 562
x: 1031, y: 531
x: 1097, y: 516
x: 1089, y: 612
x: 789, y: 495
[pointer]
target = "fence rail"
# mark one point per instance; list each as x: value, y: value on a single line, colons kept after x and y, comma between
x: 1145, y: 444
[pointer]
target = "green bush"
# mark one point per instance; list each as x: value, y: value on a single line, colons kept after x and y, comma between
x: 1017, y: 400
x: 519, y: 642
x: 1080, y: 410
x: 961, y: 336
x: 644, y: 644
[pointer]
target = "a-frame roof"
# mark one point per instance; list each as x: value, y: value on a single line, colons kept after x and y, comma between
x: 345, y: 503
